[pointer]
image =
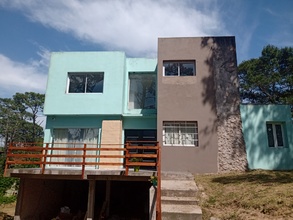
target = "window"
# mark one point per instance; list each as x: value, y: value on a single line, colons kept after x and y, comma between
x: 180, y: 133
x: 74, y: 138
x: 275, y: 133
x: 85, y: 82
x: 142, y: 91
x: 179, y: 68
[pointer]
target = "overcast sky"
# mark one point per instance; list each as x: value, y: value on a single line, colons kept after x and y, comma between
x: 32, y: 29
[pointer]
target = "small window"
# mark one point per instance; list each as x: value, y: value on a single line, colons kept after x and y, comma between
x: 85, y: 82
x: 179, y: 68
x: 142, y: 91
x: 275, y: 132
x: 180, y: 133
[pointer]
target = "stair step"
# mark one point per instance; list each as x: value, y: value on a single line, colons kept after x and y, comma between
x: 178, y: 212
x: 179, y: 200
x: 177, y: 176
x: 178, y: 185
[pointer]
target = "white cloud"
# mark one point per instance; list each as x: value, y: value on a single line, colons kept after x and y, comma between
x: 128, y: 25
x: 19, y: 77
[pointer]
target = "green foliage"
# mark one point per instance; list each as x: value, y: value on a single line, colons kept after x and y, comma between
x: 5, y: 184
x: 18, y: 118
x: 269, y: 78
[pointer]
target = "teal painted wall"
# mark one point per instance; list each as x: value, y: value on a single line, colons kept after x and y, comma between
x: 259, y: 154
x: 88, y: 110
x: 59, y: 102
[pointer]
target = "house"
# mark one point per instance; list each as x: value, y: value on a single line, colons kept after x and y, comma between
x: 268, y: 136
x: 184, y: 104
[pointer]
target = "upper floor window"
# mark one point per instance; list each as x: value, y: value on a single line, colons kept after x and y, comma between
x: 86, y: 82
x: 179, y: 68
x: 142, y: 91
x: 275, y: 132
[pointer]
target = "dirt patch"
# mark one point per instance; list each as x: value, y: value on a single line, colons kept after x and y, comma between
x: 7, y: 211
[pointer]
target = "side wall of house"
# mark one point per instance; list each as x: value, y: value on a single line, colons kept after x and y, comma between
x: 187, y: 98
x: 259, y: 154
x: 223, y: 66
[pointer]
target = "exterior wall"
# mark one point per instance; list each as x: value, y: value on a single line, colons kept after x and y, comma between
x: 259, y: 154
x: 188, y: 98
x: 59, y: 102
x: 223, y: 66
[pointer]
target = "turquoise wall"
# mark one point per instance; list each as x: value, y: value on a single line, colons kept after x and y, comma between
x: 59, y: 102
x: 88, y: 110
x: 259, y: 155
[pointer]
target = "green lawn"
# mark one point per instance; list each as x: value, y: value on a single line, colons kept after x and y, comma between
x: 247, y: 195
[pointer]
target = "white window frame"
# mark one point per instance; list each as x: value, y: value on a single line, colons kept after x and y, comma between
x: 85, y: 86
x: 177, y: 62
x: 180, y: 136
x: 274, y: 124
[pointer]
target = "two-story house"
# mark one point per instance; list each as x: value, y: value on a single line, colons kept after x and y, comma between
x: 185, y: 103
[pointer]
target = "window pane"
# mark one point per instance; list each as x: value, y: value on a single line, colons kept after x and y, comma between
x: 142, y: 92
x: 187, y: 69
x: 76, y: 83
x: 180, y: 133
x: 95, y: 82
x: 270, y: 134
x: 279, y: 135
x: 170, y: 68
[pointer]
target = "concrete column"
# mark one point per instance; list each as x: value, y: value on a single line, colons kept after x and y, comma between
x: 108, y: 194
x: 153, y: 201
x: 19, y: 199
x: 91, y: 200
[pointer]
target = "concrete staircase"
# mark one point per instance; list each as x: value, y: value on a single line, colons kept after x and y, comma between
x: 179, y: 200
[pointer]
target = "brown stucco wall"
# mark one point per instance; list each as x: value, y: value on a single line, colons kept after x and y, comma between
x: 211, y: 98
x: 188, y: 98
x: 232, y: 152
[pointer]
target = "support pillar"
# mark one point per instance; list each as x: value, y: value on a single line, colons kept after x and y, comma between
x: 91, y: 200
x: 19, y: 199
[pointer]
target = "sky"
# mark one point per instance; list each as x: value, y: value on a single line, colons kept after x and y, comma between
x: 31, y: 29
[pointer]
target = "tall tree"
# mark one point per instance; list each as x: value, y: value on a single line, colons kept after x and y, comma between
x: 269, y: 78
x: 18, y: 118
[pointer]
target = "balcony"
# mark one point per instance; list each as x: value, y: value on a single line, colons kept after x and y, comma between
x: 87, y: 162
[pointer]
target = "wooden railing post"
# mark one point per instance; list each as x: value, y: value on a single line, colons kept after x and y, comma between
x: 126, y: 159
x: 159, y: 205
x: 83, y: 161
x: 7, y: 158
x: 45, y: 158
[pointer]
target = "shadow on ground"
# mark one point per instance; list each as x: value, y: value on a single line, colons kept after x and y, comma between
x: 257, y: 177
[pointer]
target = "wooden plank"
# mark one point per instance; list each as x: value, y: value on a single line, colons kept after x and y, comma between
x: 142, y: 156
x: 142, y: 147
x: 141, y: 164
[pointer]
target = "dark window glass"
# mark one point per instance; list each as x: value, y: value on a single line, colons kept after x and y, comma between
x: 179, y: 68
x: 86, y: 82
x: 171, y: 69
x: 142, y: 92
x: 95, y: 82
x: 76, y: 83
x: 270, y: 133
x: 279, y: 135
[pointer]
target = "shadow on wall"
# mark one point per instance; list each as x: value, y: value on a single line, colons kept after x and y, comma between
x: 259, y: 154
x: 222, y: 93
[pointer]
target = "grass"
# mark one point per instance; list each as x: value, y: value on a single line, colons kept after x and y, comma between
x: 248, y: 195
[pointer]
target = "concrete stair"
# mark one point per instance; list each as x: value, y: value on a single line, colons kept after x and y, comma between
x: 178, y: 197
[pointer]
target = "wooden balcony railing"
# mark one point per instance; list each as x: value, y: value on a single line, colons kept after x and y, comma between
x: 47, y: 155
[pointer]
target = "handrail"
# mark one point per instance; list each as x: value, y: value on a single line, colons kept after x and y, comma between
x: 33, y: 155
x: 49, y: 154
